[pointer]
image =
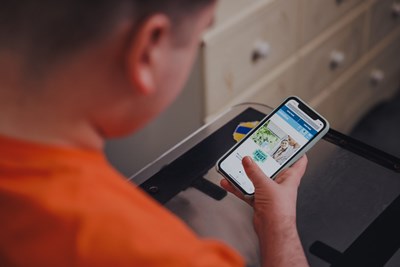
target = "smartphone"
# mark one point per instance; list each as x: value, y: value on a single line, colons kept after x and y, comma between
x: 277, y: 142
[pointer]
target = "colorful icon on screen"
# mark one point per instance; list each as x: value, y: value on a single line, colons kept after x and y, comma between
x: 259, y: 156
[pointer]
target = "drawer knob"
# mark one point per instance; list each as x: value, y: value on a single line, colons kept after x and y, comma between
x: 262, y: 50
x: 337, y: 59
x: 377, y: 77
x: 396, y: 9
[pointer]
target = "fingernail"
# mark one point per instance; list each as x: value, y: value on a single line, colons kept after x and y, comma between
x: 248, y: 160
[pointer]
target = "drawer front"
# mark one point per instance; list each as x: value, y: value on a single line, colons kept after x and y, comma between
x: 383, y: 75
x: 322, y: 65
x: 228, y: 9
x: 317, y: 15
x: 274, y: 92
x: 377, y: 81
x: 385, y: 17
x: 242, y: 53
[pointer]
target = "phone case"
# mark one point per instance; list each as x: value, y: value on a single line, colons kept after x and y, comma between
x: 298, y: 155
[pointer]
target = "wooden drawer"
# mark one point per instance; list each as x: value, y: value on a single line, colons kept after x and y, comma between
x: 385, y: 17
x: 322, y: 65
x: 237, y: 56
x: 384, y: 72
x: 272, y: 93
x: 377, y: 81
x: 317, y: 15
x: 229, y: 9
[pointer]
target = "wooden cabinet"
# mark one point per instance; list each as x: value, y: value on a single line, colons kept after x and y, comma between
x: 385, y: 17
x: 323, y: 64
x: 273, y: 92
x: 370, y: 83
x: 317, y: 15
x: 238, y: 56
x: 339, y: 55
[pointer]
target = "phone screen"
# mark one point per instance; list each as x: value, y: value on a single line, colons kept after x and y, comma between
x: 275, y: 141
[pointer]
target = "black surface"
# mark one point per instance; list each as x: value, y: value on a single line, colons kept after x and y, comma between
x: 381, y: 127
x: 325, y: 252
x: 209, y: 188
x: 195, y: 163
x: 378, y: 243
x: 363, y: 150
x: 373, y: 248
x: 326, y: 195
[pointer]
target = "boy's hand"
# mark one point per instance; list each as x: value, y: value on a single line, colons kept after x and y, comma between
x: 274, y: 206
x: 274, y: 201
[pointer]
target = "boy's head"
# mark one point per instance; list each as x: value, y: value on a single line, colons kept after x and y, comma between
x: 113, y: 63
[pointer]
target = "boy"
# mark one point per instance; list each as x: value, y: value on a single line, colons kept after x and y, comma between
x: 73, y: 73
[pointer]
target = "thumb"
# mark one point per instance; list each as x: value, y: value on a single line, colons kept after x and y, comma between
x: 295, y: 173
x: 255, y: 174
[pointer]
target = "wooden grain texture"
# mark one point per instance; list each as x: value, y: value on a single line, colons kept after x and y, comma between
x: 275, y: 91
x: 229, y: 68
x: 382, y: 21
x: 316, y: 71
x: 302, y: 35
x: 351, y: 98
x: 317, y: 15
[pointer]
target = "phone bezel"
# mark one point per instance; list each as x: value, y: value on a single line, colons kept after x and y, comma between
x: 303, y: 107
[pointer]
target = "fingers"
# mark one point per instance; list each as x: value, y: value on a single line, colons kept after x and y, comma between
x: 255, y: 174
x: 230, y: 188
x: 293, y: 175
x: 290, y: 178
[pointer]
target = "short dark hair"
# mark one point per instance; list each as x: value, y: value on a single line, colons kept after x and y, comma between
x: 53, y: 27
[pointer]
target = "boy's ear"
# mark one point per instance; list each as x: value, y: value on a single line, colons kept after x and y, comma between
x: 145, y: 52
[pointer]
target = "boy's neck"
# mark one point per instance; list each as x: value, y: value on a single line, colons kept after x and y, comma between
x: 29, y: 115
x: 34, y: 126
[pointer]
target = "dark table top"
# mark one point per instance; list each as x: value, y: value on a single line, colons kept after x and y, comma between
x: 348, y: 206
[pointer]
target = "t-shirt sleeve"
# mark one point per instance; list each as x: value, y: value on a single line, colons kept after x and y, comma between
x: 147, y: 236
x: 111, y: 248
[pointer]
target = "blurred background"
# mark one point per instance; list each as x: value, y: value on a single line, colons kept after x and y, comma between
x: 341, y: 56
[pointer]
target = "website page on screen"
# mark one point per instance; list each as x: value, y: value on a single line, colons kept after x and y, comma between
x: 273, y: 144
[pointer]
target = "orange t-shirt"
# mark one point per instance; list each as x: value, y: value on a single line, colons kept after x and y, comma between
x: 66, y: 207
